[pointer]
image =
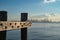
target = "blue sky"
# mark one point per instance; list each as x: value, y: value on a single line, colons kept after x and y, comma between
x: 33, y: 7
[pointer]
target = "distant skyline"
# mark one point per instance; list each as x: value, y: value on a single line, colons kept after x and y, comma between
x: 33, y: 7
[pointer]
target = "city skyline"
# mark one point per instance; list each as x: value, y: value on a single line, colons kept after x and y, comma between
x: 46, y: 18
x: 32, y: 7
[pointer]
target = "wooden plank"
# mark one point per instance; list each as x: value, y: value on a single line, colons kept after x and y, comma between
x: 6, y: 25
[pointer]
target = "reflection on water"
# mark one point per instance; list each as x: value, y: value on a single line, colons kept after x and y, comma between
x: 38, y: 31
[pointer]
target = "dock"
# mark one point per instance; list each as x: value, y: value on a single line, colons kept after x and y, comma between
x: 15, y: 25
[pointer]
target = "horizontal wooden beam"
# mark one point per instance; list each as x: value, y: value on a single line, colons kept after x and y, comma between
x: 6, y: 25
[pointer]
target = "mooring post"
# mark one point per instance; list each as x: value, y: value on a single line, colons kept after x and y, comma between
x: 3, y: 17
x: 24, y: 17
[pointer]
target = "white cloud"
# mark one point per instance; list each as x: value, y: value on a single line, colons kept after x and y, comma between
x: 49, y: 1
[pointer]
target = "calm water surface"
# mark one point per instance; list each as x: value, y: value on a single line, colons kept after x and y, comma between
x: 38, y: 31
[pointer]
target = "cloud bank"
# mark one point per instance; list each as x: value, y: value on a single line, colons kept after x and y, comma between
x: 49, y: 1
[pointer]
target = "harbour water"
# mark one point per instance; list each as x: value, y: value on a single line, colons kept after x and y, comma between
x: 38, y: 31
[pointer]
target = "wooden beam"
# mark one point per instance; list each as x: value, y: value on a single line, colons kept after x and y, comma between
x: 8, y: 25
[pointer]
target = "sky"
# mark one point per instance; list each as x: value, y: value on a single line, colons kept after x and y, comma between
x: 32, y: 7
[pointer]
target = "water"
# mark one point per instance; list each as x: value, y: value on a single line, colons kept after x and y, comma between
x: 38, y: 31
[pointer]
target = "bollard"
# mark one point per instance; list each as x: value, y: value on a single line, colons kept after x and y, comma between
x: 3, y: 17
x: 24, y: 30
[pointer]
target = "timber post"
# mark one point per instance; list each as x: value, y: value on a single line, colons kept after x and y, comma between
x: 3, y: 17
x: 24, y: 17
